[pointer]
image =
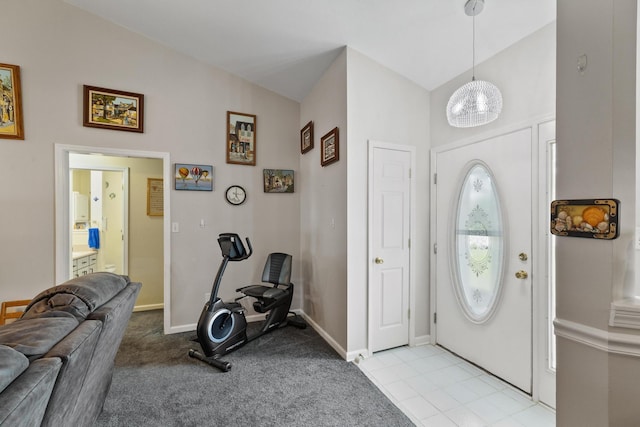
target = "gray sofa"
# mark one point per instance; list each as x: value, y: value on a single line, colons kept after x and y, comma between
x: 56, y: 361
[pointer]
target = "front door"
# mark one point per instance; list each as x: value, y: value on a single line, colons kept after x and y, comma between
x: 483, y: 262
x: 389, y: 211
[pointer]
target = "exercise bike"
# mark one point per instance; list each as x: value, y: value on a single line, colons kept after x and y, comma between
x: 222, y: 327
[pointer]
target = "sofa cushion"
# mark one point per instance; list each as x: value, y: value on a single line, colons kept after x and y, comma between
x: 79, y: 296
x: 35, y: 337
x: 12, y: 364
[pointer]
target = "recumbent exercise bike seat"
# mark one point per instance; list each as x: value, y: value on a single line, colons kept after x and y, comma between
x: 277, y: 271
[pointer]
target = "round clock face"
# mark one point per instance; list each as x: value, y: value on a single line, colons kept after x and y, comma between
x: 236, y: 195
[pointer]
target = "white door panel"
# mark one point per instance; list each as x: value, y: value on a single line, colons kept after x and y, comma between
x: 389, y: 257
x: 502, y: 342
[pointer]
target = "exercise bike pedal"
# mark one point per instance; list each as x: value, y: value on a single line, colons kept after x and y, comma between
x: 213, y: 361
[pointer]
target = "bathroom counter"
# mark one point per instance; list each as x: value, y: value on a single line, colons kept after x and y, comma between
x: 81, y: 254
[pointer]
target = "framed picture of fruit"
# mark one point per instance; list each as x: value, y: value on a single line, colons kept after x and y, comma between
x: 591, y: 218
x: 193, y: 177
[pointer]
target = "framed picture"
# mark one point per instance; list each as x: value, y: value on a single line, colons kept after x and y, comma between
x: 241, y: 138
x: 113, y: 109
x: 10, y: 102
x: 278, y: 180
x: 155, y: 197
x: 306, y: 138
x: 592, y: 218
x: 330, y: 147
x: 194, y: 177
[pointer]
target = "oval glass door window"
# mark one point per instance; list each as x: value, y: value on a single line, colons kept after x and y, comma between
x: 478, y: 245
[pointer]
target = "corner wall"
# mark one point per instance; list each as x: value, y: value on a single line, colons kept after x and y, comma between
x: 323, y: 208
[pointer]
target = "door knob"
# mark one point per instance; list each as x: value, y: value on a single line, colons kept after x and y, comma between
x: 522, y: 274
x: 378, y: 260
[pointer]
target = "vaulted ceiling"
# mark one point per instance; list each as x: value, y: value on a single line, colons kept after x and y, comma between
x: 286, y: 45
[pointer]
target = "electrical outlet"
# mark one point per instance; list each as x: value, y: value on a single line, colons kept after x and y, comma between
x: 175, y: 227
x: 207, y: 295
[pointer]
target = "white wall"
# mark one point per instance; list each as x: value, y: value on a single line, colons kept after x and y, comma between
x: 524, y: 73
x: 60, y: 48
x: 323, y: 207
x: 383, y: 106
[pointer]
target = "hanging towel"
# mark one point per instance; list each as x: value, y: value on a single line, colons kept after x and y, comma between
x: 94, y: 238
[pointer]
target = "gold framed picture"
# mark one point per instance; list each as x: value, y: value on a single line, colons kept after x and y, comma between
x: 10, y: 102
x: 155, y: 197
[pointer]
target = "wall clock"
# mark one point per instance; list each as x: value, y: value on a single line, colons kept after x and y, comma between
x: 236, y: 195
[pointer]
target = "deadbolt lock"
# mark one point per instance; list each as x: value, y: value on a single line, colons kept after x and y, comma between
x: 378, y: 260
x: 521, y: 274
x: 523, y: 256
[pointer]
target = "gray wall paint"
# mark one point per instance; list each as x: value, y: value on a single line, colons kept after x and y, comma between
x: 596, y: 158
x: 60, y: 48
x: 323, y: 208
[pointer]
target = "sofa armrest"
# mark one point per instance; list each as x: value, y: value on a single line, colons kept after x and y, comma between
x: 24, y: 402
x: 75, y: 351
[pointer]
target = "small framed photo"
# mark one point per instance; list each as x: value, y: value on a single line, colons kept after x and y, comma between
x: 591, y: 218
x: 113, y: 109
x: 241, y: 138
x: 155, y: 197
x: 278, y: 180
x: 193, y: 177
x: 330, y: 147
x: 10, y: 102
x: 306, y: 138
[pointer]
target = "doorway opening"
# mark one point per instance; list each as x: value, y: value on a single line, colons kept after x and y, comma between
x: 100, y: 214
x: 144, y: 262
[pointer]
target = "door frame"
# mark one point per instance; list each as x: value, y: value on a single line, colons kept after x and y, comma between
x: 372, y: 145
x: 538, y: 226
x: 125, y: 208
x: 62, y: 211
x: 543, y: 377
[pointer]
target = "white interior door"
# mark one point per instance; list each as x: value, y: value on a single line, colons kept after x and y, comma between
x: 390, y: 205
x: 483, y: 262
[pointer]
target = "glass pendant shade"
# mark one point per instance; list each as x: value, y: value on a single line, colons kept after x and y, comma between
x: 476, y: 103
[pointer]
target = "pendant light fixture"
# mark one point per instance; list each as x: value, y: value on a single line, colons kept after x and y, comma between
x: 477, y: 102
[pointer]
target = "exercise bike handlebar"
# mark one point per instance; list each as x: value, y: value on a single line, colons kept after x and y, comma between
x: 249, y: 246
x: 232, y: 247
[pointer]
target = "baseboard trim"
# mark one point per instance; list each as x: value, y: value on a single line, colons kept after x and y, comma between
x: 610, y: 342
x: 182, y: 328
x: 148, y: 307
x: 422, y: 340
x: 328, y: 338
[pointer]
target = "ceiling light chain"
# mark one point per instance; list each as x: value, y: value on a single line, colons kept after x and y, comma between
x: 477, y: 102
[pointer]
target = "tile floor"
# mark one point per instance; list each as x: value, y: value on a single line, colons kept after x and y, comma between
x: 435, y: 388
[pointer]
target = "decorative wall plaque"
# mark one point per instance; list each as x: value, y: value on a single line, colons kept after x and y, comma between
x: 591, y: 218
